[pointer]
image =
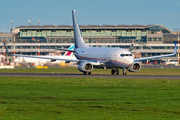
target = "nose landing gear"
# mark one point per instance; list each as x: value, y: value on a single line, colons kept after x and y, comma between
x: 124, y: 71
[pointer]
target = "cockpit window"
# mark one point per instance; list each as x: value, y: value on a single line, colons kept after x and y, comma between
x: 122, y: 55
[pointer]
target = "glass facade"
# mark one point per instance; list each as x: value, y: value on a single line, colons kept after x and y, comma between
x: 155, y: 29
x: 85, y: 33
x: 97, y: 36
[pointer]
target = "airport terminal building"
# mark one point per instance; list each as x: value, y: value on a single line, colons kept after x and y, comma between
x: 148, y: 40
x: 91, y: 33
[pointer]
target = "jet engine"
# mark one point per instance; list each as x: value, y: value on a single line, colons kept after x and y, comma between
x: 135, y: 67
x: 85, y: 67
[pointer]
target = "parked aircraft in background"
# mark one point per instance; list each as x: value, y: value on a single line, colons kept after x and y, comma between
x: 27, y: 61
x: 171, y: 61
x: 102, y: 57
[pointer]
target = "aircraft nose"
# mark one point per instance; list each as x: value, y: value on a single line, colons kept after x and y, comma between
x: 130, y: 60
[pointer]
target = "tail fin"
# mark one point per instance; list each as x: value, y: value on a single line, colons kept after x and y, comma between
x: 78, y: 40
x: 69, y: 53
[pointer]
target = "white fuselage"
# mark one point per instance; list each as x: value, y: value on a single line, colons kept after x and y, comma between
x: 111, y: 57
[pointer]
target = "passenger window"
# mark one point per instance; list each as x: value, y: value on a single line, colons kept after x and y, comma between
x: 122, y: 55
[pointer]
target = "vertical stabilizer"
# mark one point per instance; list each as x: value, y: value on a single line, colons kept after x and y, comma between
x: 69, y: 53
x: 78, y: 40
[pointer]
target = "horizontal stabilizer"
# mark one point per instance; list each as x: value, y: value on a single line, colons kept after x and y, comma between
x: 60, y: 49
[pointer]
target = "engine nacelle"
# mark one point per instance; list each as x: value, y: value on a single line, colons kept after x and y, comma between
x: 85, y: 67
x: 135, y: 67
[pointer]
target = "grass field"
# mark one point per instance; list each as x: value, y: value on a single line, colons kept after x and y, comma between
x: 88, y: 99
x: 144, y: 71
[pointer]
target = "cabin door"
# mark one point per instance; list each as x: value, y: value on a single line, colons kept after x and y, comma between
x: 114, y: 56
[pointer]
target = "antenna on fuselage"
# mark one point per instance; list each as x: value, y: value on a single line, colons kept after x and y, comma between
x: 78, y: 40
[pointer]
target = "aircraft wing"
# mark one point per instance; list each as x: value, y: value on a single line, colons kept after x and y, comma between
x: 154, y: 57
x: 53, y: 59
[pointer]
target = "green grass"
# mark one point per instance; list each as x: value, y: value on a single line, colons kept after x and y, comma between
x: 88, y: 99
x: 144, y: 71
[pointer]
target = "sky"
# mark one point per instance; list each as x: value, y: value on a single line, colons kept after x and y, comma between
x: 90, y: 12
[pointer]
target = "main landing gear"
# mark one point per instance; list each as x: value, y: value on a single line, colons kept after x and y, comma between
x: 85, y: 73
x: 115, y: 71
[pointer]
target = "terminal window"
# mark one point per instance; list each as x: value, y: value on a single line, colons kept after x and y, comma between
x: 159, y: 38
x: 149, y: 38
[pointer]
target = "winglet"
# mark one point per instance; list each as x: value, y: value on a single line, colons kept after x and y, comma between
x: 6, y: 48
x: 175, y: 49
x: 78, y: 40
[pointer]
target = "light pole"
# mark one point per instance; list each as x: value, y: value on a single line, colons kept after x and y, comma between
x: 178, y: 47
x: 3, y: 27
x: 12, y: 24
x: 29, y: 21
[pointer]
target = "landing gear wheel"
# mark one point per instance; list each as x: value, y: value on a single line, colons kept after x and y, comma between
x: 113, y: 71
x: 84, y: 73
x: 117, y: 72
x: 89, y: 73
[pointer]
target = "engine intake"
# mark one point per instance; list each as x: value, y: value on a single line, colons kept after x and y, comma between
x: 85, y: 67
x: 135, y: 67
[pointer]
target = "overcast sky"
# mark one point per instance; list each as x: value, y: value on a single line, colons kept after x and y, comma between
x: 97, y: 12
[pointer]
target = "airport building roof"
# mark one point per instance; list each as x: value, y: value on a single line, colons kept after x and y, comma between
x: 88, y: 27
x: 83, y: 26
x: 152, y: 28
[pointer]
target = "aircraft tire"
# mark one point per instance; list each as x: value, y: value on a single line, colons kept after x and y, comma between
x: 124, y: 72
x: 113, y: 71
x: 117, y: 71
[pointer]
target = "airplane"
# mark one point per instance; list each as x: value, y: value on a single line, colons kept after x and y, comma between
x: 88, y: 58
x: 38, y: 61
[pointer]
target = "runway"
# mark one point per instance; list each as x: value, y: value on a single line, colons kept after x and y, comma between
x: 169, y: 77
x: 160, y: 66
